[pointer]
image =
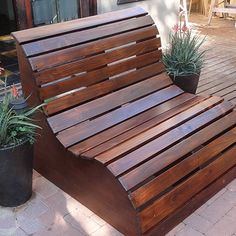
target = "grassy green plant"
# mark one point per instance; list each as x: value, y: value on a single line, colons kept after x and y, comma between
x: 16, y: 128
x: 183, y: 57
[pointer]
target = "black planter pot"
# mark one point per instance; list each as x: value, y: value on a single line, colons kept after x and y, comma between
x: 16, y: 166
x: 188, y: 83
x: 19, y: 105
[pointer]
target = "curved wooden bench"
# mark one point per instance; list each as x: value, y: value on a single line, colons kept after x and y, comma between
x: 117, y: 134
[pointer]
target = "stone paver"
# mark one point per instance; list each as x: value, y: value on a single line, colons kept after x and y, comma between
x: 225, y: 227
x: 214, y: 212
x: 198, y: 223
x: 51, y: 212
x: 232, y: 186
x: 188, y: 231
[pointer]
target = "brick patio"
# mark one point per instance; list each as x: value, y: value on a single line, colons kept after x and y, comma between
x: 51, y: 212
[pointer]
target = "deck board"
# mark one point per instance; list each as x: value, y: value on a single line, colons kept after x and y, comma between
x: 218, y: 76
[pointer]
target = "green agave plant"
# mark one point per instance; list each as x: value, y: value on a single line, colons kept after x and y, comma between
x: 16, y: 128
x: 184, y: 57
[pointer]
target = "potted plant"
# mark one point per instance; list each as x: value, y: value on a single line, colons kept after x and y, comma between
x: 17, y: 134
x: 184, y: 59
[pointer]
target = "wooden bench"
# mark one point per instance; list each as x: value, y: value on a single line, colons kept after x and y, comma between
x: 118, y: 135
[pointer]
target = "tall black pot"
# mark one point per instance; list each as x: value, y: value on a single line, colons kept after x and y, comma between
x: 19, y: 105
x: 16, y: 167
x: 188, y: 83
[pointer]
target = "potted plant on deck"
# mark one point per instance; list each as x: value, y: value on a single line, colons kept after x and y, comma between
x: 184, y: 59
x: 17, y: 134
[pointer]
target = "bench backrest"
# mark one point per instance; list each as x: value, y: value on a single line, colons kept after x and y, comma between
x: 78, y: 61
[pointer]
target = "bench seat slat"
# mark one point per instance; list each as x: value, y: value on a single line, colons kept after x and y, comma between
x: 78, y: 24
x: 79, y: 37
x: 106, y: 103
x: 82, y: 131
x: 154, y: 132
x: 185, y: 191
x: 99, y: 75
x: 166, y: 140
x: 109, y: 134
x: 169, y: 156
x: 163, y: 112
x: 59, y: 57
x: 162, y: 182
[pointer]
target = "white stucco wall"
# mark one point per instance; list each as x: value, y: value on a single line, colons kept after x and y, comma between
x: 164, y: 12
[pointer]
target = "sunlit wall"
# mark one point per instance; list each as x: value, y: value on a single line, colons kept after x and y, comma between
x: 164, y: 12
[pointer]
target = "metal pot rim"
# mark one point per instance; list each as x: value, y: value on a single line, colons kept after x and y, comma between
x: 12, y: 146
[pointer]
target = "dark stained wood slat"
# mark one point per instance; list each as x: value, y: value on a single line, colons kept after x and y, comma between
x: 162, y: 182
x: 99, y: 75
x: 164, y: 112
x: 56, y: 58
x: 193, y: 204
x: 79, y: 37
x: 82, y: 131
x: 182, y: 193
x: 147, y: 151
x: 152, y: 133
x: 97, y: 90
x: 97, y: 61
x: 78, y: 24
x: 105, y: 136
x: 169, y: 156
x: 106, y: 103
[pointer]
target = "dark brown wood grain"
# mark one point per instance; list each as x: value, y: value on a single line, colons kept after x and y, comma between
x: 106, y: 103
x: 99, y: 75
x: 78, y: 37
x: 82, y: 131
x: 161, y: 114
x: 176, y: 152
x: 175, y: 173
x: 117, y: 134
x: 94, y: 62
x: 106, y: 138
x: 153, y: 135
x: 49, y: 60
x: 25, y: 36
x: 178, y: 196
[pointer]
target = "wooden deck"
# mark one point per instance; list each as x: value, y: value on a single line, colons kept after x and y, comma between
x: 219, y: 74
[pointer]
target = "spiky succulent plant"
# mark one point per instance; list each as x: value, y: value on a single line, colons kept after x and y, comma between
x: 183, y: 56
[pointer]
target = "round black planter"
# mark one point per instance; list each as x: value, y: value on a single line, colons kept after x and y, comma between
x: 188, y: 83
x: 16, y: 166
x: 19, y: 105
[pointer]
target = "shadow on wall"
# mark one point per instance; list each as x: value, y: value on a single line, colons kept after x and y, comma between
x: 164, y: 12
